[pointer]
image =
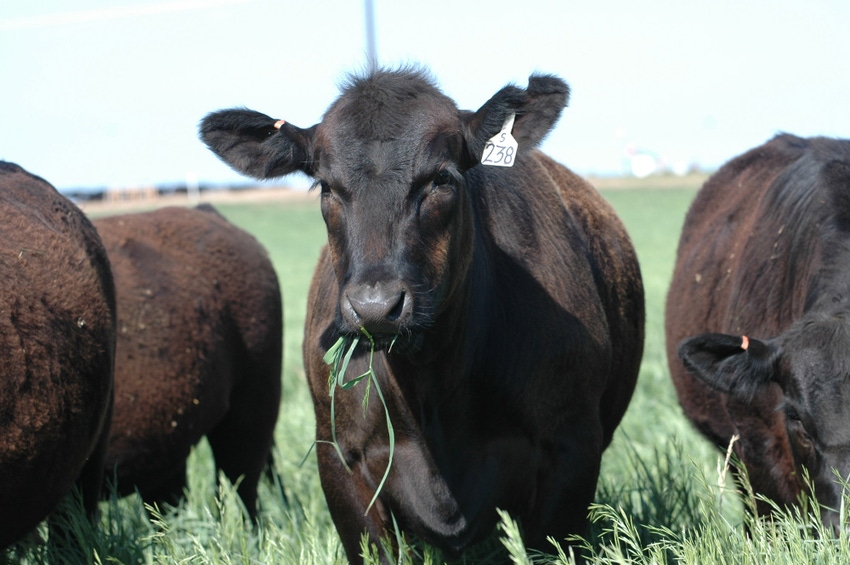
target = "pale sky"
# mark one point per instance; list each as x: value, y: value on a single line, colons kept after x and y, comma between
x: 110, y: 93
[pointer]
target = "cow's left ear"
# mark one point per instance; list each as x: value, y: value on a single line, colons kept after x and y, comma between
x: 537, y: 109
x: 737, y: 365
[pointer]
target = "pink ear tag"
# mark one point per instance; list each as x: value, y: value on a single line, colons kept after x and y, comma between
x: 745, y: 342
x: 279, y: 123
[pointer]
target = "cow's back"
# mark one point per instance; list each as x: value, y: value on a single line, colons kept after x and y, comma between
x: 56, y: 348
x: 730, y: 223
x: 199, y: 317
x: 749, y: 253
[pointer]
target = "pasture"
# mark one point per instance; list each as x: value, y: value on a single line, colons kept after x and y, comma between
x: 663, y: 496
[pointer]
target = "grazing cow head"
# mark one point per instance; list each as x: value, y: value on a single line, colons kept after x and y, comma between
x: 811, y: 364
x: 391, y: 157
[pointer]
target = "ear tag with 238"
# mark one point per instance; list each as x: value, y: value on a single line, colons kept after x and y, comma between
x: 500, y: 150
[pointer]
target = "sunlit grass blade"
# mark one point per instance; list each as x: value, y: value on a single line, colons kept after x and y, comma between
x: 512, y: 538
x: 334, y: 352
x: 340, y: 357
x: 391, y: 433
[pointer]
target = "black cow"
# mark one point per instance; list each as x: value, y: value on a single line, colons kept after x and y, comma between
x: 505, y: 304
x: 57, y: 347
x: 762, y: 277
x: 198, y: 350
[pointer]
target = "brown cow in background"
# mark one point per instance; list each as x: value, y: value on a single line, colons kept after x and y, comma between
x: 761, y: 291
x: 57, y: 340
x: 198, y: 350
x: 505, y: 303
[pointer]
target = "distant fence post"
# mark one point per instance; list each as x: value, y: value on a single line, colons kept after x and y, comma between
x: 193, y: 190
x: 120, y: 194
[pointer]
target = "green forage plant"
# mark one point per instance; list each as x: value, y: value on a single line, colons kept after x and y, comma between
x: 339, y: 356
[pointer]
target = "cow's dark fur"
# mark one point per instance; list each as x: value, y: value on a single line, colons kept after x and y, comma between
x: 765, y: 252
x: 507, y: 306
x: 57, y: 341
x: 198, y: 350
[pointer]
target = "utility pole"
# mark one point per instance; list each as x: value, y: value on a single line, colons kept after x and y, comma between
x: 371, y: 50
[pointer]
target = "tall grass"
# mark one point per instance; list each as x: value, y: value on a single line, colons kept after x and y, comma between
x: 664, y: 495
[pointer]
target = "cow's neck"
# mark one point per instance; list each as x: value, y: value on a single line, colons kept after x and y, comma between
x: 453, y: 343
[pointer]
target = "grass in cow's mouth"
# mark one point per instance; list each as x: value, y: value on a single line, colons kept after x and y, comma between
x: 339, y: 357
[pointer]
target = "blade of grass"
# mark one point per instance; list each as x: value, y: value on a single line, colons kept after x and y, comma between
x: 340, y: 357
x: 391, y: 433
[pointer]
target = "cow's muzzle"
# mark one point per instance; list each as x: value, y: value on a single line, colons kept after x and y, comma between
x: 381, y: 308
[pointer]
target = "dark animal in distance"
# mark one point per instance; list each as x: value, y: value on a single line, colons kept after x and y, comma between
x: 505, y: 302
x: 57, y: 341
x: 758, y: 315
x: 199, y: 347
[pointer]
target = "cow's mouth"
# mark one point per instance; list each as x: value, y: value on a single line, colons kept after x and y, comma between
x: 402, y: 343
x: 405, y: 344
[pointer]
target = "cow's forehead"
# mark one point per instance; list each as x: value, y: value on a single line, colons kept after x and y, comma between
x: 354, y: 146
x: 819, y: 363
x: 388, y: 106
x: 830, y: 409
x: 350, y: 131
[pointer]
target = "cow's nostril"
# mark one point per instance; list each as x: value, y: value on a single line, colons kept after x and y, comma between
x: 396, y: 311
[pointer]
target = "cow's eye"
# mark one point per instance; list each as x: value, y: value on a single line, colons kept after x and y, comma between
x: 792, y: 414
x: 804, y: 440
x: 325, y: 187
x: 443, y: 177
x: 797, y: 430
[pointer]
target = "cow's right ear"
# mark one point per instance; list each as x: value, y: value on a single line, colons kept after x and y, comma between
x: 737, y: 365
x: 536, y: 110
x: 257, y: 145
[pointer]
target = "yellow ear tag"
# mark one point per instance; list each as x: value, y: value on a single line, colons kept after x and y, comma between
x: 500, y: 150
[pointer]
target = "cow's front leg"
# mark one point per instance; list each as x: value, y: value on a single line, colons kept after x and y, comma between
x: 348, y: 495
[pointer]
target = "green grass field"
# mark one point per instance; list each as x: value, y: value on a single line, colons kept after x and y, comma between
x: 663, y: 496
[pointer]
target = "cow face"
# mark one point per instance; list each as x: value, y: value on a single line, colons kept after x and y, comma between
x: 811, y: 365
x: 391, y: 158
x: 396, y: 208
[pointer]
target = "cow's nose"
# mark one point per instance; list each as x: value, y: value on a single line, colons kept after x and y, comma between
x: 380, y: 308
